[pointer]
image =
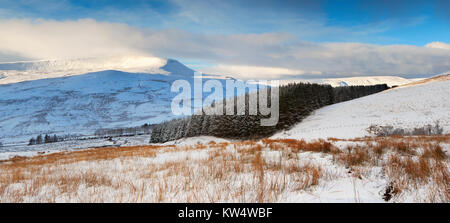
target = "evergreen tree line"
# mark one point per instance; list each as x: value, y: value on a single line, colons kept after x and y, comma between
x: 351, y: 92
x: 131, y: 131
x: 296, y: 101
x: 45, y: 139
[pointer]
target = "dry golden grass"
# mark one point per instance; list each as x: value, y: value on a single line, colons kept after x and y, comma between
x: 319, y: 145
x: 354, y: 156
x: 84, y: 155
x: 203, y: 173
x: 412, y: 162
x: 66, y: 172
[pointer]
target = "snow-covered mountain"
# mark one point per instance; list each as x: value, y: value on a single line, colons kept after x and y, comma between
x: 83, y: 95
x: 409, y: 106
x: 33, y: 70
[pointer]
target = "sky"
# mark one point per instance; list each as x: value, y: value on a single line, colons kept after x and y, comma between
x: 249, y: 39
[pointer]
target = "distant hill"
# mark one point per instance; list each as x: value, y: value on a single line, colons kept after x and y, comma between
x: 409, y: 106
x: 352, y: 81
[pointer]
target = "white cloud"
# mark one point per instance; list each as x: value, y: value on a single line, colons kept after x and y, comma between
x: 252, y: 72
x: 45, y: 39
x: 266, y: 55
x: 438, y: 45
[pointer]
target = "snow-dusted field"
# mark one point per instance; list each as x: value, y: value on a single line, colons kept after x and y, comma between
x: 361, y: 170
x: 7, y: 152
x: 406, y: 107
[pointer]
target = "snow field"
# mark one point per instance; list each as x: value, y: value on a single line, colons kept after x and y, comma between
x: 404, y: 107
x: 249, y: 171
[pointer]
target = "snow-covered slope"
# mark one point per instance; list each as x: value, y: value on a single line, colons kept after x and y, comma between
x: 83, y: 103
x: 34, y: 70
x: 407, y: 107
x: 349, y: 81
x: 82, y: 95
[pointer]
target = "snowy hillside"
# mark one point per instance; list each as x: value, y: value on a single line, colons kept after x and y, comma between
x: 83, y: 103
x: 82, y: 95
x: 34, y: 70
x: 410, y: 106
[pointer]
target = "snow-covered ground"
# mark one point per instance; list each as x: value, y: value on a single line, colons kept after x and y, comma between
x: 221, y: 171
x: 198, y: 140
x: 10, y: 151
x: 414, y: 105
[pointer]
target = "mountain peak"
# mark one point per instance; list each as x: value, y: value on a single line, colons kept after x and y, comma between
x: 32, y: 70
x: 175, y: 67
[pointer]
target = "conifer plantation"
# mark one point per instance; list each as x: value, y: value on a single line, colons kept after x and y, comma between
x: 296, y: 101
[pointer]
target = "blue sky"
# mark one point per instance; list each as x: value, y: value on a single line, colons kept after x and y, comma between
x: 283, y: 29
x: 369, y: 21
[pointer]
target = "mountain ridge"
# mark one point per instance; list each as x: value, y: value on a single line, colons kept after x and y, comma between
x: 13, y: 72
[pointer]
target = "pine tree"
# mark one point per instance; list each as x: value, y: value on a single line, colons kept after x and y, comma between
x: 47, y: 139
x: 39, y: 139
x: 32, y: 141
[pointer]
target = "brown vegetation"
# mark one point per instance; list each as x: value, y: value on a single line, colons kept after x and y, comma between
x: 130, y: 174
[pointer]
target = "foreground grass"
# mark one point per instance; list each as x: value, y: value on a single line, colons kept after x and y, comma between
x: 271, y: 170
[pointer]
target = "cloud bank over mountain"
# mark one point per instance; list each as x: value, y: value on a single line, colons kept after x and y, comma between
x: 262, y: 55
x: 438, y: 45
